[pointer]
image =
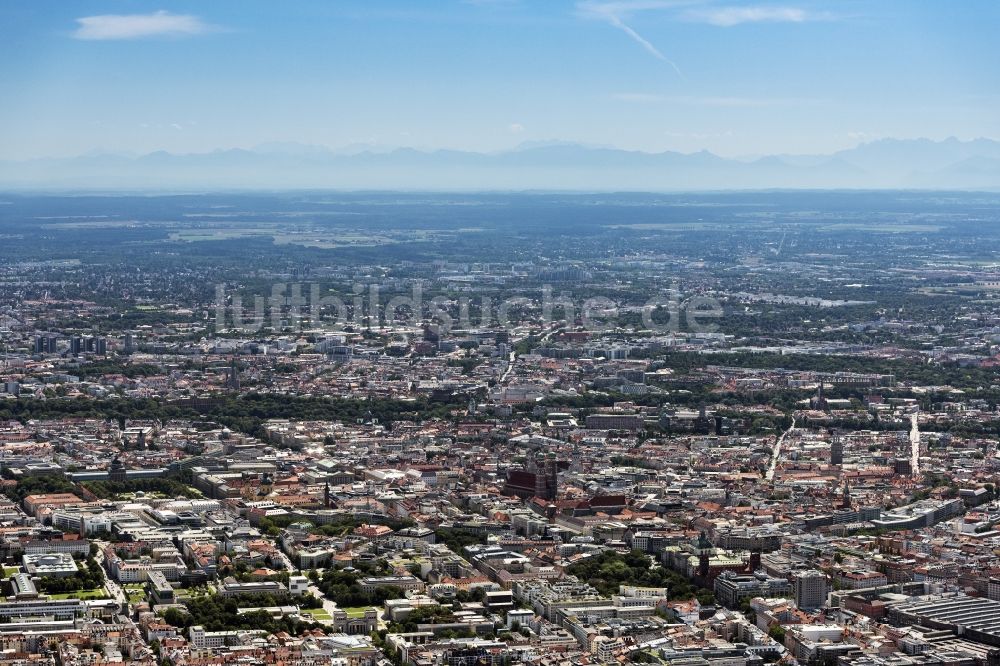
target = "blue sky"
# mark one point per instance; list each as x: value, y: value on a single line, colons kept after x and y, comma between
x: 736, y: 78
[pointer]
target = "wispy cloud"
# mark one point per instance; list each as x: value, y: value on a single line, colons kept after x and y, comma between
x: 138, y: 26
x: 515, y: 128
x: 616, y: 12
x: 730, y: 16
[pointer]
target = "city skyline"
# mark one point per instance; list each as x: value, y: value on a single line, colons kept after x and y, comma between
x: 500, y: 333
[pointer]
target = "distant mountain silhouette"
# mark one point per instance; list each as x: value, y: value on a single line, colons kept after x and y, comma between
x: 553, y: 165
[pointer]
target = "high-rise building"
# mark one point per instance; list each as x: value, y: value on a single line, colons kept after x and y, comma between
x: 233, y: 376
x: 46, y: 343
x: 129, y: 346
x: 96, y: 344
x: 810, y: 589
x: 837, y: 450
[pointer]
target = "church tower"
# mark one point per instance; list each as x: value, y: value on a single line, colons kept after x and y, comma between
x: 117, y: 473
x: 704, y: 551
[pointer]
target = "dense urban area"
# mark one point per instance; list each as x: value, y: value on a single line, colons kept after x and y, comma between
x: 446, y: 430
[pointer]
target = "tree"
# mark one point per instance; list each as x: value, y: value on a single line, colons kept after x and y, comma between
x: 609, y: 570
x: 175, y: 617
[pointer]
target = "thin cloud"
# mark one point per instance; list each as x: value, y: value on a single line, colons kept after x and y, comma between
x: 615, y: 13
x: 139, y: 26
x: 729, y: 16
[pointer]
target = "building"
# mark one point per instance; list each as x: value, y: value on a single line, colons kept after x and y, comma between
x: 732, y: 588
x: 810, y: 589
x: 44, y: 546
x: 297, y: 585
x: 216, y: 639
x: 923, y: 513
x: 46, y: 343
x: 629, y: 422
x: 159, y: 588
x: 993, y: 589
x: 541, y: 479
x: 355, y: 624
x: 499, y: 600
x: 171, y: 565
x: 974, y: 618
x: 404, y: 583
x: 817, y: 643
x: 60, y: 609
x: 837, y: 450
x: 51, y: 565
x: 32, y: 503
x: 519, y: 616
x: 231, y: 588
x: 117, y: 473
x: 23, y: 587
x: 858, y: 580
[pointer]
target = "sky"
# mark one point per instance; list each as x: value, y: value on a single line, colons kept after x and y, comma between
x: 735, y: 78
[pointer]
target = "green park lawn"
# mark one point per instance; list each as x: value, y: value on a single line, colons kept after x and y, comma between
x: 97, y: 593
x: 357, y: 611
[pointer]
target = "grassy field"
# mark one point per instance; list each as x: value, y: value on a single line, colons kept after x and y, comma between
x: 357, y: 611
x: 10, y: 571
x: 97, y: 593
x: 317, y: 613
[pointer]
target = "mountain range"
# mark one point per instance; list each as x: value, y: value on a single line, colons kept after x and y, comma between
x: 882, y: 164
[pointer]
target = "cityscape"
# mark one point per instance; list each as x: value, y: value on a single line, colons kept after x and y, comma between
x: 492, y: 405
